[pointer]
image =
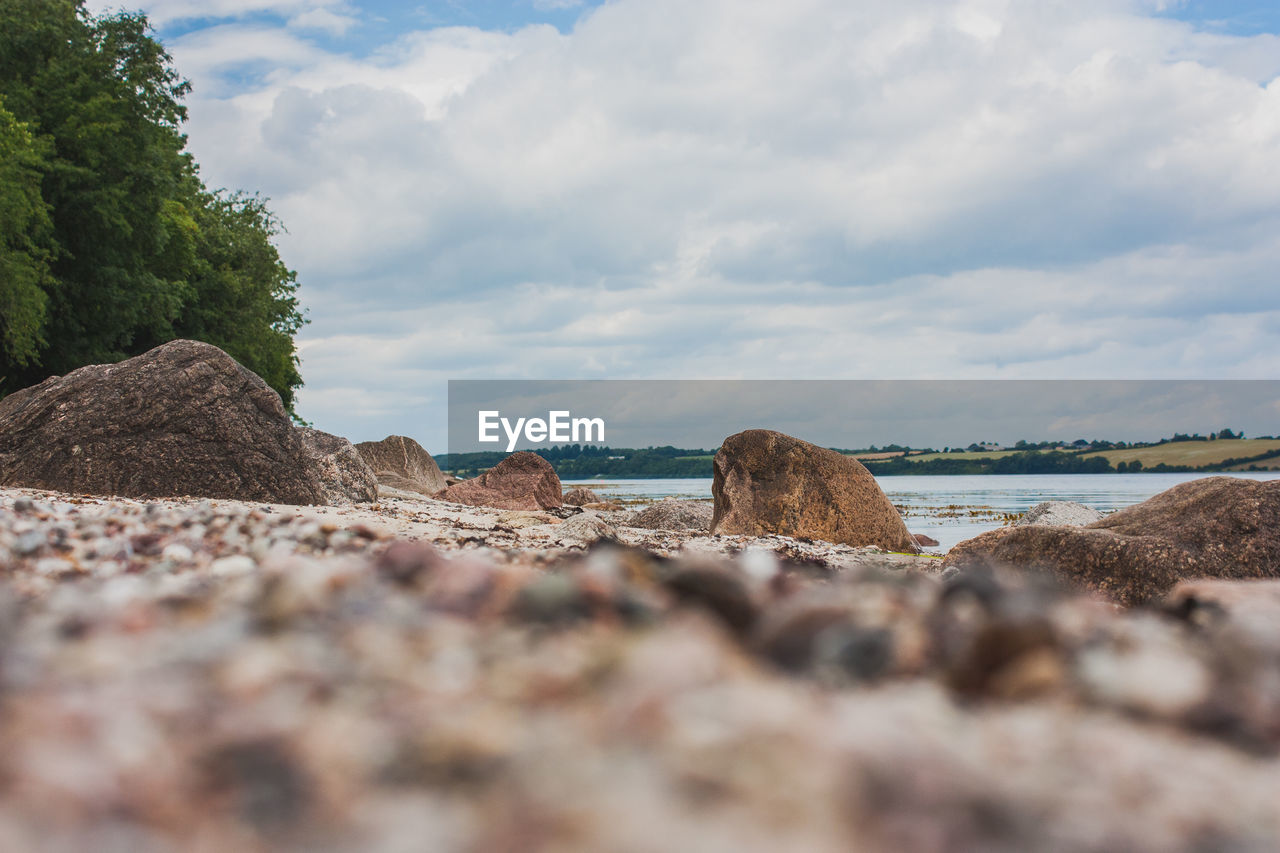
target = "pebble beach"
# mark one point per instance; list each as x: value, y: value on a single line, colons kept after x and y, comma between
x: 412, y: 674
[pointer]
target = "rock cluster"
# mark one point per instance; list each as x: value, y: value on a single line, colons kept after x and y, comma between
x: 767, y: 482
x: 1216, y: 527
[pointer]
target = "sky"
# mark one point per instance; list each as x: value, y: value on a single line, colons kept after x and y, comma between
x: 748, y: 189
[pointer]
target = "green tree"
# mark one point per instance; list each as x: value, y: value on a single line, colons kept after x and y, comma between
x: 245, y: 298
x: 24, y: 244
x: 139, y: 251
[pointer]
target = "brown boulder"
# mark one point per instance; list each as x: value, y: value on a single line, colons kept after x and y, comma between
x: 523, y: 480
x: 182, y: 419
x: 401, y: 463
x: 1217, y: 527
x: 580, y: 496
x: 767, y: 482
x: 344, y: 476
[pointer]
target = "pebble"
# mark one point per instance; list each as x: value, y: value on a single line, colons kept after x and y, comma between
x: 30, y: 542
x: 177, y: 552
x: 232, y: 566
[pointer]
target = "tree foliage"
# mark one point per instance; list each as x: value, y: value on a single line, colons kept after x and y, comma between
x: 109, y: 242
x: 24, y: 243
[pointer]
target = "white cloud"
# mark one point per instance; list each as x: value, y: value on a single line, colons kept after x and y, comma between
x: 821, y: 188
x: 323, y: 19
x: 164, y: 12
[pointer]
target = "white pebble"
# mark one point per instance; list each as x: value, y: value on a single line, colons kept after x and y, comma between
x: 54, y: 566
x: 234, y: 566
x: 177, y: 552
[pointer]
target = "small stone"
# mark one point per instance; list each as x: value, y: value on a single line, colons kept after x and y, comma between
x: 1005, y: 658
x: 233, y: 566
x: 519, y: 520
x: 177, y: 552
x: 364, y: 531
x: 54, y: 566
x: 29, y: 543
x: 551, y: 599
x: 579, y: 496
x: 721, y: 593
x: 859, y: 654
x: 1145, y: 669
x: 586, y: 529
x: 791, y: 640
x: 404, y: 562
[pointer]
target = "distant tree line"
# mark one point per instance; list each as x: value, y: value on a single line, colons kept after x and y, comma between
x: 1030, y: 462
x: 584, y: 461
x: 110, y: 243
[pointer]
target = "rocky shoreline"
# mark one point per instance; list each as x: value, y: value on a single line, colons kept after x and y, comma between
x: 336, y: 647
x: 217, y: 674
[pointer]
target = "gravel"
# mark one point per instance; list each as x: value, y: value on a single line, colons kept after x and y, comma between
x: 213, y: 675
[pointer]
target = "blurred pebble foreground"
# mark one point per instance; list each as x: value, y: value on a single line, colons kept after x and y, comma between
x: 215, y: 675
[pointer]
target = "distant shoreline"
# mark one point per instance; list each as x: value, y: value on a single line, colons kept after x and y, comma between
x: 1183, y: 455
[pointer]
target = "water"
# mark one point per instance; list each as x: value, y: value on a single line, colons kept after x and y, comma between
x: 954, y: 508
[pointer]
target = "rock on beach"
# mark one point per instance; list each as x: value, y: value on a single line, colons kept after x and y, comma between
x: 401, y: 463
x: 344, y: 475
x: 182, y: 419
x: 672, y: 514
x: 1059, y: 514
x: 523, y: 480
x: 580, y: 496
x: 768, y: 482
x: 1216, y: 527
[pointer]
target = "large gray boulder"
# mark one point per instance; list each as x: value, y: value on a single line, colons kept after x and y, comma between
x: 182, y: 419
x: 401, y: 463
x: 1059, y: 514
x: 344, y: 476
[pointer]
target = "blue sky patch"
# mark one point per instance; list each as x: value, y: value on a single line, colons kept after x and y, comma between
x: 1232, y: 17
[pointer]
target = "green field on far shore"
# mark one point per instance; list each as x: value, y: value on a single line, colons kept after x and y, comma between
x: 968, y: 454
x: 1197, y: 454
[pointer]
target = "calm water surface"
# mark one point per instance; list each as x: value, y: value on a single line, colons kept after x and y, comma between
x: 951, y: 509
